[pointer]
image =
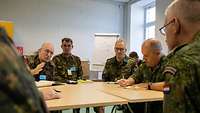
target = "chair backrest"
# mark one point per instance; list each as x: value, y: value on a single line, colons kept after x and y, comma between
x: 86, y: 69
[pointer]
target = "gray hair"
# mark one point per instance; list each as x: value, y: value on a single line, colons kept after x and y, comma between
x: 120, y: 41
x: 152, y: 44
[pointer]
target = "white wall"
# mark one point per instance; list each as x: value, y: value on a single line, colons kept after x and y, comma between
x: 137, y: 25
x: 160, y: 18
x: 134, y: 31
x: 37, y: 21
x: 137, y: 28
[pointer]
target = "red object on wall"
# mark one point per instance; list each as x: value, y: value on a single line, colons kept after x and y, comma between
x: 20, y: 50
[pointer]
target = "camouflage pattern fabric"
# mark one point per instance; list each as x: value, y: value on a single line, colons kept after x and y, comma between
x: 18, y: 93
x: 144, y: 74
x: 115, y: 70
x: 182, y: 87
x: 48, y: 70
x: 135, y: 63
x: 67, y: 68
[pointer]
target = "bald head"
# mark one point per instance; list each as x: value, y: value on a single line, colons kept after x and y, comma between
x: 47, y: 45
x: 46, y: 51
x: 182, y: 22
x: 186, y: 10
x: 152, y: 45
x: 151, y: 50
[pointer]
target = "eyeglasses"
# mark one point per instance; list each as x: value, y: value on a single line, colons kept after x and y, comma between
x: 120, y: 49
x: 48, y: 51
x: 162, y: 29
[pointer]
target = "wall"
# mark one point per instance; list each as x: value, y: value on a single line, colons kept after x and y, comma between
x: 136, y: 23
x: 37, y: 21
x: 160, y: 18
x: 132, y: 35
x: 137, y: 28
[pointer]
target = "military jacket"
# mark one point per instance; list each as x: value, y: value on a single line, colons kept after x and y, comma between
x: 48, y: 70
x: 145, y: 74
x: 115, y: 70
x: 182, y: 76
x: 67, y: 68
x: 18, y: 93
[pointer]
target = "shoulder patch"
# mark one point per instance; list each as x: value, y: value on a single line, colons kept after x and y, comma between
x: 170, y: 69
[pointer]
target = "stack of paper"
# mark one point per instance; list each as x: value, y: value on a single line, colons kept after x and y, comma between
x: 44, y: 83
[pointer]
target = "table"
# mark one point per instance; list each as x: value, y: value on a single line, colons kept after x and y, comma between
x: 131, y: 94
x: 99, y: 94
x: 78, y: 96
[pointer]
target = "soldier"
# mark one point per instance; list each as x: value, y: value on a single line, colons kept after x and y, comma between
x: 40, y: 64
x: 18, y: 93
x: 42, y: 68
x: 133, y: 54
x: 135, y: 59
x: 149, y: 72
x: 119, y: 66
x: 68, y: 66
x: 182, y: 31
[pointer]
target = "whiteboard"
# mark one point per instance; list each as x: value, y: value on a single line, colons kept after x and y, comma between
x: 103, y: 49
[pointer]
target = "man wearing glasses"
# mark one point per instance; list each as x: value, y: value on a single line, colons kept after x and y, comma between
x: 118, y: 67
x: 40, y: 65
x: 18, y: 93
x: 182, y: 31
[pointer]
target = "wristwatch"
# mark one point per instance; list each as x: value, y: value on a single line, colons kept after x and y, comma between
x: 149, y: 85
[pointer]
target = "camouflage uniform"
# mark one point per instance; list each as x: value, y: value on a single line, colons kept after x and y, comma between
x: 182, y: 87
x: 144, y: 74
x: 67, y: 68
x: 48, y: 70
x: 114, y: 70
x: 18, y: 93
x: 135, y: 63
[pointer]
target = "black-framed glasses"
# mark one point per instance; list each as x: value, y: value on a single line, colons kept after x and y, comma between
x: 119, y: 49
x: 162, y: 29
x: 48, y: 51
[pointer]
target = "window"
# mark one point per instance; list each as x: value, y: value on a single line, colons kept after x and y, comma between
x: 149, y: 21
x: 142, y: 23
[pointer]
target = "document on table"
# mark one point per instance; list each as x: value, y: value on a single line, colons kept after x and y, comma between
x: 44, y: 83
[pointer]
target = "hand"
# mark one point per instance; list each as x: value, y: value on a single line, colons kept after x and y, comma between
x: 123, y: 82
x: 141, y: 85
x: 50, y: 93
x: 38, y: 69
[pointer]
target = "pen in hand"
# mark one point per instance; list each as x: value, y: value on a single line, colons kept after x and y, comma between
x: 56, y: 90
